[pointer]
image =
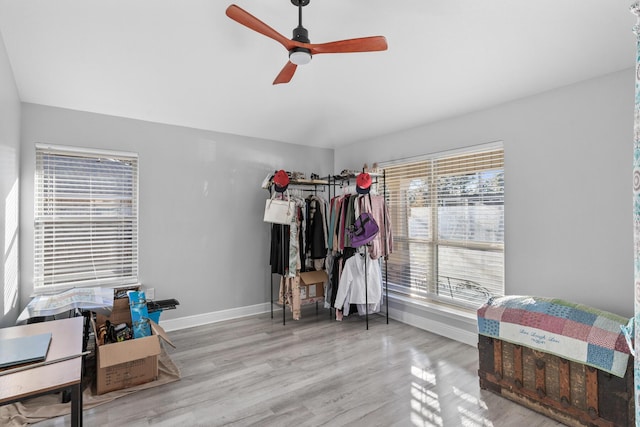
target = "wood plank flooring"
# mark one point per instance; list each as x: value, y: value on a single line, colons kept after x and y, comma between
x: 315, y: 372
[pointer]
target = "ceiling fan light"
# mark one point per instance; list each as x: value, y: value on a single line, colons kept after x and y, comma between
x: 300, y: 56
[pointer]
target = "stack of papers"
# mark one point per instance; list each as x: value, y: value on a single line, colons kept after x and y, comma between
x: 95, y: 299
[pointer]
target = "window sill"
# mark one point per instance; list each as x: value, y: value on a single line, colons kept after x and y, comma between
x: 451, y: 322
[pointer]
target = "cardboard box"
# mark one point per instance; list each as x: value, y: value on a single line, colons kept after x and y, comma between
x: 127, y: 363
x: 119, y: 314
x: 312, y: 284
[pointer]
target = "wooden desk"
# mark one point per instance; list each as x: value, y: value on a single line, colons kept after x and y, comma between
x: 66, y: 340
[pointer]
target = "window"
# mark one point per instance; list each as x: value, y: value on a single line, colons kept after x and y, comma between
x: 447, y: 213
x: 86, y: 218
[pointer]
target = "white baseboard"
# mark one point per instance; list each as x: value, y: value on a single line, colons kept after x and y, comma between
x: 463, y: 336
x: 213, y: 317
x: 457, y: 334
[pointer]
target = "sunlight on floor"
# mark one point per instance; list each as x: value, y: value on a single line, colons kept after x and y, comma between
x: 425, y: 407
x: 427, y: 411
x: 470, y: 418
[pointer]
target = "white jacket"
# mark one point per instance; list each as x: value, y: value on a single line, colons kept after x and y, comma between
x: 351, y: 288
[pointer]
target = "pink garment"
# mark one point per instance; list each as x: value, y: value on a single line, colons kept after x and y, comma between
x: 334, y: 229
x: 382, y: 244
x: 290, y: 289
x: 343, y: 218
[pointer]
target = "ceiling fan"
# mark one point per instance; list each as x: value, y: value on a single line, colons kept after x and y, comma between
x: 301, y: 50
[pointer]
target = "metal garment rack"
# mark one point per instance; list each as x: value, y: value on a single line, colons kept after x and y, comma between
x: 383, y: 229
x: 331, y: 182
x: 301, y: 185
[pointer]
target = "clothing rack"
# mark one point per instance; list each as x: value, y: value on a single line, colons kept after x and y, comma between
x: 331, y: 183
x: 347, y: 179
x: 300, y: 186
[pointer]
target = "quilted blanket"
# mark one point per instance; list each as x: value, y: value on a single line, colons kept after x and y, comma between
x: 572, y: 331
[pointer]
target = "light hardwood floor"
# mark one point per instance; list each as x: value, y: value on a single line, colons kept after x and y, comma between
x: 313, y: 372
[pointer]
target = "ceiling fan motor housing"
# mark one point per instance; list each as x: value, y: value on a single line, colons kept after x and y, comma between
x: 300, y: 55
x: 300, y: 34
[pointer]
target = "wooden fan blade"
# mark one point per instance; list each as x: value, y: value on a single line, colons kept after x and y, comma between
x: 364, y: 44
x: 243, y: 17
x: 286, y: 73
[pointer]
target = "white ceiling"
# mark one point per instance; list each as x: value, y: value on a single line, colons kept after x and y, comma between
x: 184, y: 62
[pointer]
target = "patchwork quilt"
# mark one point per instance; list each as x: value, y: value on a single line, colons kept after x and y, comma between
x: 573, y: 331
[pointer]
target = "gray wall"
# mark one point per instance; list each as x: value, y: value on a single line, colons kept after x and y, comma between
x: 568, y: 195
x: 568, y: 205
x: 202, y: 239
x: 9, y: 191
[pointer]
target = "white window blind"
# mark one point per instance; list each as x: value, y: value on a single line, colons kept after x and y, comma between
x: 86, y: 218
x: 447, y: 213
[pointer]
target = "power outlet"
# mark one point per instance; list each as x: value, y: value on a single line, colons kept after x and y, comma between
x: 150, y: 293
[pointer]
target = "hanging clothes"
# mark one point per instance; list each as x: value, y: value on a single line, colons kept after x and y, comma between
x: 357, y: 286
x: 318, y: 239
x: 294, y: 248
x: 279, y: 256
x: 290, y: 289
x: 286, y: 240
x: 382, y: 244
x: 336, y: 264
x: 314, y: 250
x: 299, y: 246
x: 336, y: 205
x: 316, y: 228
x: 348, y: 285
x: 346, y: 219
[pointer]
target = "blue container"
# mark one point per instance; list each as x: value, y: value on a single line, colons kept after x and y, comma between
x: 155, y: 315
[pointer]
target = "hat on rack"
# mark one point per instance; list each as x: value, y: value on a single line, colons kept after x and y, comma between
x: 363, y: 183
x: 281, y: 181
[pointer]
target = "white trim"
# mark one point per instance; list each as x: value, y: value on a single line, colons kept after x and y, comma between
x: 79, y: 222
x: 487, y: 146
x: 436, y: 327
x: 213, y: 317
x: 84, y: 150
x: 54, y: 289
x: 467, y: 334
x: 450, y: 311
x: 440, y: 328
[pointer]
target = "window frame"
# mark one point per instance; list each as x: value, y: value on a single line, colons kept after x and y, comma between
x: 400, y: 279
x: 106, y: 202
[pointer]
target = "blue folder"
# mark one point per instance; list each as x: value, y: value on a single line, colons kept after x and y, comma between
x: 21, y: 350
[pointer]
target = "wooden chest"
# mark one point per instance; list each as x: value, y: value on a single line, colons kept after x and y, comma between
x: 569, y: 392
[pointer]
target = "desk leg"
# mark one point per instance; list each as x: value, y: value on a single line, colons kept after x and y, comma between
x: 76, y: 405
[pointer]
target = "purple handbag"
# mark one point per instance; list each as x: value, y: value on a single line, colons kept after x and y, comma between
x: 363, y: 230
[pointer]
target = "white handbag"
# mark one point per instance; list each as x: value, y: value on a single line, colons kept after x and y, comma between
x: 279, y: 211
